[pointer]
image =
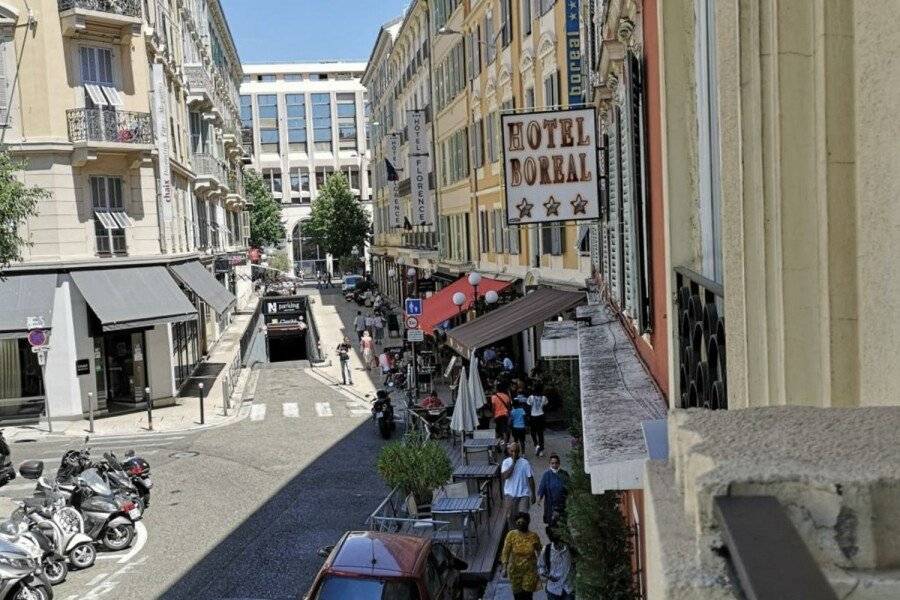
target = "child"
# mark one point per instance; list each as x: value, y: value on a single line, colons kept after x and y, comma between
x: 517, y: 423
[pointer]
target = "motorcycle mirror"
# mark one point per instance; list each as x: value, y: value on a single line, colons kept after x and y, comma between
x: 324, y: 551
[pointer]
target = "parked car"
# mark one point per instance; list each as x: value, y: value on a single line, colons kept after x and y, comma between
x: 368, y: 565
x: 351, y: 282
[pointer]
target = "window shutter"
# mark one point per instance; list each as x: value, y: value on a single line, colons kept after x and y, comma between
x: 5, y: 44
x: 615, y: 283
x: 629, y: 257
x: 546, y: 239
x: 641, y: 194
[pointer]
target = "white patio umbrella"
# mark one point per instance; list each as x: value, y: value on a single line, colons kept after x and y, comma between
x: 463, y: 419
x: 476, y: 390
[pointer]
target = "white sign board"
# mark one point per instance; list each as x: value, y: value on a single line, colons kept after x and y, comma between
x: 551, y: 169
x: 415, y: 335
x: 423, y: 212
x: 161, y: 125
x: 395, y: 213
x: 416, y: 132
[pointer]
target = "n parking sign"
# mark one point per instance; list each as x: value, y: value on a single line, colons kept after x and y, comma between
x: 413, y: 307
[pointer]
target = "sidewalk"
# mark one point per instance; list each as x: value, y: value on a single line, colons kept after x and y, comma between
x: 185, y: 414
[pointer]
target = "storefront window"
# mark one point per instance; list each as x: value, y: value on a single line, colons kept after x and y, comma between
x: 21, y: 386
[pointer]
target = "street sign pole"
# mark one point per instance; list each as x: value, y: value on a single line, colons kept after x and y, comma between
x: 38, y: 340
x: 42, y: 360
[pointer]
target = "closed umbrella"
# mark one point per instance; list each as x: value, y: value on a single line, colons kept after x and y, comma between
x: 476, y: 390
x: 463, y: 419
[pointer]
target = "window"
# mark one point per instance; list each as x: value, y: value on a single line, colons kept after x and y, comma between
x: 529, y: 97
x: 335, y: 587
x: 272, y: 179
x: 268, y: 123
x: 353, y: 178
x: 492, y: 136
x: 299, y: 179
x: 295, y: 105
x: 293, y: 77
x: 441, y: 11
x: 110, y: 219
x: 485, y: 231
x: 708, y: 132
x: 321, y: 107
x: 346, y: 113
x: 505, y: 22
x: 491, y: 48
x: 499, y: 227
x: 455, y: 157
x: 247, y: 111
x: 97, y: 77
x: 322, y: 174
x: 526, y: 17
x: 546, y: 5
x: 512, y: 234
x: 321, y: 76
x: 551, y: 90
x: 265, y: 78
x: 476, y: 140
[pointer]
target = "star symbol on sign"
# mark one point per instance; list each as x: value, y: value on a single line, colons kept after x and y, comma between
x: 552, y: 207
x: 579, y: 205
x: 524, y: 208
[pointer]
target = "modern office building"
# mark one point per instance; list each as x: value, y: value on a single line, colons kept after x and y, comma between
x: 301, y: 123
x: 134, y: 259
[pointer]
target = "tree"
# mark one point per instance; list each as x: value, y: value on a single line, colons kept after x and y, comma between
x: 338, y: 221
x: 279, y: 261
x: 265, y: 213
x: 17, y: 202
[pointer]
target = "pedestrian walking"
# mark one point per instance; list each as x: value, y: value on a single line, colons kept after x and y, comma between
x: 519, y: 558
x: 537, y: 401
x: 518, y: 483
x: 370, y: 324
x: 359, y: 323
x: 501, y: 404
x: 555, y: 568
x: 343, y: 352
x: 553, y: 491
x: 518, y: 425
x: 368, y: 350
x: 378, y: 324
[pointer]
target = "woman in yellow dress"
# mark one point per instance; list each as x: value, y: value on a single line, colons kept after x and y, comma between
x: 519, y: 558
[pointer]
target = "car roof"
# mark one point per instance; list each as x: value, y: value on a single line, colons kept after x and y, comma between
x: 370, y: 552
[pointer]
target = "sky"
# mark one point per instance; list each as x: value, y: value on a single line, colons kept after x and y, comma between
x: 307, y: 30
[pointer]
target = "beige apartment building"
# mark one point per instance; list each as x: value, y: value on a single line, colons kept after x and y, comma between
x: 127, y: 113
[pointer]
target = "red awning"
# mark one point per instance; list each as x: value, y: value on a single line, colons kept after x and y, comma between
x: 440, y: 307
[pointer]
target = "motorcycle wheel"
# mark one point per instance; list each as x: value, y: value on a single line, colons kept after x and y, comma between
x: 118, y: 538
x: 83, y: 556
x: 26, y: 592
x: 55, y: 569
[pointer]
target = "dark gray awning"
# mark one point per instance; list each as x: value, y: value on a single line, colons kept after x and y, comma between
x: 134, y: 297
x: 617, y: 397
x: 533, y: 309
x: 196, y: 277
x: 23, y: 296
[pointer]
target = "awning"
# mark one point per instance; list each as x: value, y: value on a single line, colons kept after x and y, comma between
x: 535, y: 308
x: 439, y: 307
x: 618, y: 397
x: 196, y: 277
x: 133, y: 297
x: 559, y: 339
x: 23, y: 296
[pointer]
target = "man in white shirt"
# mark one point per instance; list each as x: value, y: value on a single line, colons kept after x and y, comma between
x: 518, y: 484
x: 360, y: 324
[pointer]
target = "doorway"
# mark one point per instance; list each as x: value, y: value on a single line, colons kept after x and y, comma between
x: 126, y: 366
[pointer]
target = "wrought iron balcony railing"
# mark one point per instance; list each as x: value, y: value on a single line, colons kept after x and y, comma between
x: 198, y: 79
x: 208, y: 166
x: 126, y: 8
x: 247, y: 140
x: 700, y: 337
x: 236, y: 183
x: 419, y: 240
x: 102, y: 125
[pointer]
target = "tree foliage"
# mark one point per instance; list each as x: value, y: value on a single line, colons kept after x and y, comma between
x: 265, y: 213
x: 279, y: 261
x: 338, y: 221
x: 416, y: 465
x: 17, y: 202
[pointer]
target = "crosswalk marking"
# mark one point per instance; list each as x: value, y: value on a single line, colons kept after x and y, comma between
x: 258, y: 412
x: 323, y: 409
x: 290, y: 409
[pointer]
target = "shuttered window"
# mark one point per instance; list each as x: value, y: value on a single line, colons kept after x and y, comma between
x: 641, y: 203
x: 613, y: 218
x: 6, y: 46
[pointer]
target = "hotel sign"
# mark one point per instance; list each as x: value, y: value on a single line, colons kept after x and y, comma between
x: 573, y: 53
x: 423, y: 211
x: 550, y: 166
x: 395, y: 213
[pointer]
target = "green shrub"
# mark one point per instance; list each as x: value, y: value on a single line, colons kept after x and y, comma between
x: 415, y: 465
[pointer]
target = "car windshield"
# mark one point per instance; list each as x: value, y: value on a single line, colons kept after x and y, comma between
x: 341, y: 588
x: 352, y: 280
x: 93, y: 480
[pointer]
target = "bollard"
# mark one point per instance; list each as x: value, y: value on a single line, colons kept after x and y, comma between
x: 149, y: 407
x: 225, y: 395
x: 202, y: 418
x: 91, y: 409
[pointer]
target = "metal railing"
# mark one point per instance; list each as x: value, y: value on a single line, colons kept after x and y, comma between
x: 198, y: 78
x: 247, y: 140
x: 206, y: 165
x: 236, y: 182
x: 421, y: 240
x: 700, y: 338
x: 126, y: 8
x: 102, y: 125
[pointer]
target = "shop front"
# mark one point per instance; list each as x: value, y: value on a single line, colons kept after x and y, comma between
x: 214, y: 304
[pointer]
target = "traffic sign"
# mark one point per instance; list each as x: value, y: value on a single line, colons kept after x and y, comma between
x: 412, y: 323
x: 415, y: 335
x: 34, y: 322
x: 413, y: 307
x: 37, y: 338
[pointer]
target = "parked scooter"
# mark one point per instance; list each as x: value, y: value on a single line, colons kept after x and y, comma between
x: 19, y: 528
x: 7, y: 471
x: 383, y: 414
x: 139, y: 471
x: 21, y: 577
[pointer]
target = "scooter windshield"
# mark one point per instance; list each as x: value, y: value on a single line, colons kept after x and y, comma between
x: 93, y: 480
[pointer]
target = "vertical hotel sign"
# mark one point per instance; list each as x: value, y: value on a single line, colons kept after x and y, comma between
x: 573, y: 53
x: 395, y: 214
x: 161, y: 129
x: 423, y: 213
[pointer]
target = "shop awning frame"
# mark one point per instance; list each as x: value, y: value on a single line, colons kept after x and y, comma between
x: 133, y: 297
x: 439, y: 307
x: 195, y: 276
x: 510, y: 319
x: 23, y: 296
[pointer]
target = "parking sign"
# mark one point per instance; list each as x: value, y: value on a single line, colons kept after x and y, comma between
x: 413, y: 307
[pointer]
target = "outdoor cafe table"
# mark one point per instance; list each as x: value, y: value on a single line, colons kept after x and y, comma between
x: 469, y: 505
x: 478, y: 445
x: 477, y: 473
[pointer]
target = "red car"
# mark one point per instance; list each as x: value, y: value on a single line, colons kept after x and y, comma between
x: 366, y: 565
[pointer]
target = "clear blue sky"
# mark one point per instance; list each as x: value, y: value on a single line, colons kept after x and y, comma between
x: 307, y: 30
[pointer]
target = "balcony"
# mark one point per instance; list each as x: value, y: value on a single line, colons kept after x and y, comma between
x: 199, y: 85
x: 419, y: 240
x: 247, y: 142
x: 210, y: 173
x: 700, y: 340
x: 95, y: 130
x: 236, y: 192
x: 122, y: 17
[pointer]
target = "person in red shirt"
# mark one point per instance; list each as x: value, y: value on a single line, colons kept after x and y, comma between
x: 501, y: 403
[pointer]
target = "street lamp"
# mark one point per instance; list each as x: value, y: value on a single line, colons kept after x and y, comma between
x: 491, y: 297
x: 474, y: 280
x: 411, y: 272
x: 459, y: 299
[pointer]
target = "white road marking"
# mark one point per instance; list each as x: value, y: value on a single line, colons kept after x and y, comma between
x: 290, y: 409
x: 323, y: 409
x: 97, y: 579
x: 258, y: 412
x: 141, y: 532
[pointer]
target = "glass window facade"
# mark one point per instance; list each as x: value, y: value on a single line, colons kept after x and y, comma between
x: 346, y: 113
x: 268, y: 122
x: 295, y: 105
x: 21, y: 387
x: 247, y: 111
x: 321, y: 112
x: 185, y: 350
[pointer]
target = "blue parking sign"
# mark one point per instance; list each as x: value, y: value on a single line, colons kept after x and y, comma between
x: 413, y: 307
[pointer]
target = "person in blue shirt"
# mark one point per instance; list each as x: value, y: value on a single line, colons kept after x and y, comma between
x: 518, y: 424
x: 553, y: 491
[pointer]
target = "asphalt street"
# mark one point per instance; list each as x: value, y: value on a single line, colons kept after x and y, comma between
x: 239, y: 511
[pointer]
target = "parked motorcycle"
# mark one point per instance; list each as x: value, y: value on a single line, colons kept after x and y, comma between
x: 19, y: 528
x: 21, y: 577
x: 383, y: 414
x: 7, y: 471
x: 139, y: 471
